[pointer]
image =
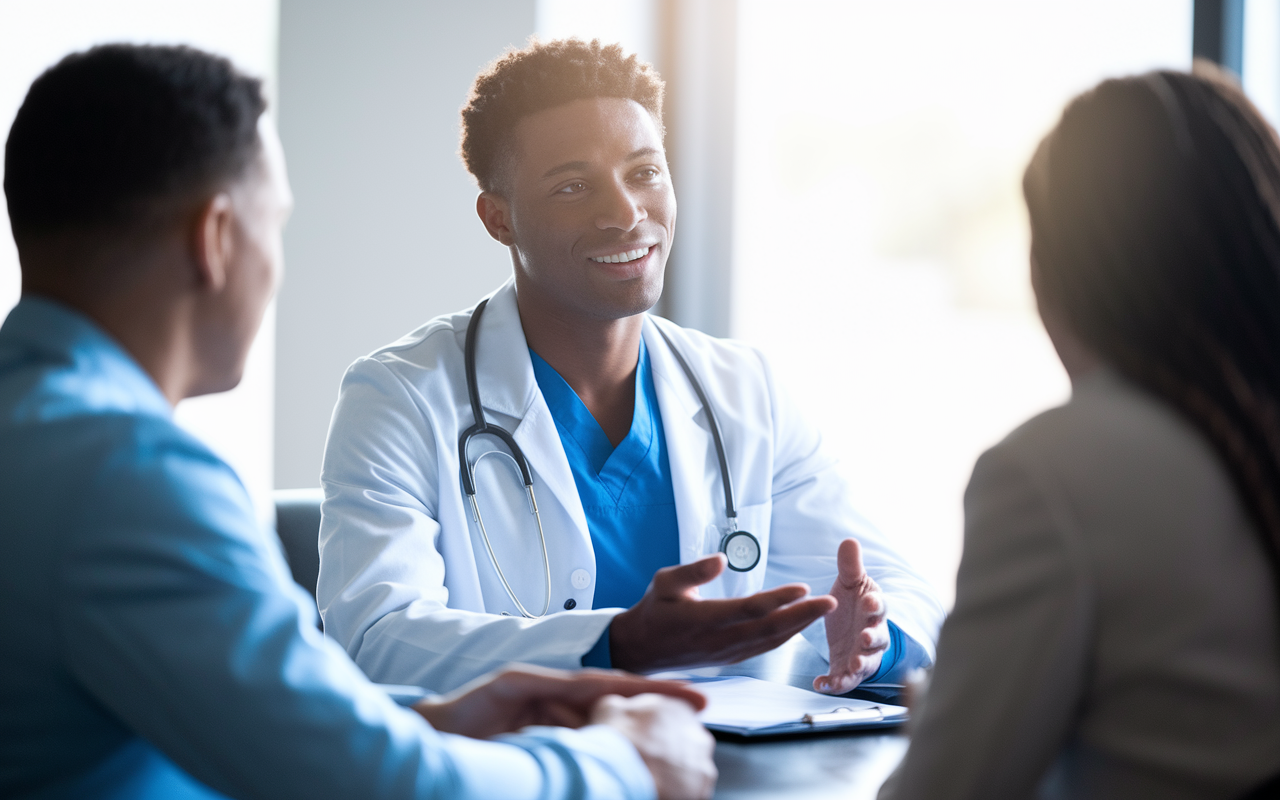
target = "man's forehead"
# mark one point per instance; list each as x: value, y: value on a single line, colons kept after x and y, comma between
x: 586, y: 130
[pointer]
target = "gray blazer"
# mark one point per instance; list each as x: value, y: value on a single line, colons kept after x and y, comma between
x: 1115, y: 633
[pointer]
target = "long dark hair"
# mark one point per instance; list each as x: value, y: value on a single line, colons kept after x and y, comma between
x: 1155, y: 218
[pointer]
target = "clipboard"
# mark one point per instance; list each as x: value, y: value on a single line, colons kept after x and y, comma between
x: 746, y: 708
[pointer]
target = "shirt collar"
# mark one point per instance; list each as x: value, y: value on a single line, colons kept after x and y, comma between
x: 109, y: 378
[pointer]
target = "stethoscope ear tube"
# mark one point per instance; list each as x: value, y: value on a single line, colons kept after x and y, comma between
x: 481, y: 427
x: 740, y: 557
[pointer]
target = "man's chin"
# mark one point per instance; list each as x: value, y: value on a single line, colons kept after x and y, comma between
x: 631, y: 301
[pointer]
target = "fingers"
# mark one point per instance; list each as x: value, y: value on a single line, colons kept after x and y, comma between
x: 836, y: 684
x: 760, y: 604
x: 671, y: 582
x: 873, y: 640
x: 582, y: 689
x: 559, y: 714
x: 626, y: 685
x: 873, y: 608
x: 849, y: 563
x: 757, y: 636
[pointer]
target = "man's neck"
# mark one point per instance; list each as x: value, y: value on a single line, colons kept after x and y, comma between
x: 597, y: 358
x: 148, y: 318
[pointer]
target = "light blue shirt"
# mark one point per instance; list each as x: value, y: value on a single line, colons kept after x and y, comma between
x: 152, y: 644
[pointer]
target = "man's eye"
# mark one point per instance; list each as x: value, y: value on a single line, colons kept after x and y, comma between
x: 572, y: 188
x: 649, y: 174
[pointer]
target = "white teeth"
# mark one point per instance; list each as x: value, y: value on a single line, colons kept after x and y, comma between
x: 622, y: 258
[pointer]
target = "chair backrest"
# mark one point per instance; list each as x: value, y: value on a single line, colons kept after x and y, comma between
x: 298, y: 526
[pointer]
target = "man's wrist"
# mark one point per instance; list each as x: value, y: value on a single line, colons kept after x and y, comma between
x: 600, y: 654
x: 890, y: 656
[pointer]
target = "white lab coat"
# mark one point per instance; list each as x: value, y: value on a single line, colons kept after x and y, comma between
x: 406, y: 584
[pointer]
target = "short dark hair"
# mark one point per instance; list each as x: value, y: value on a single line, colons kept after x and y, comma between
x: 1155, y: 219
x: 545, y: 75
x: 105, y: 135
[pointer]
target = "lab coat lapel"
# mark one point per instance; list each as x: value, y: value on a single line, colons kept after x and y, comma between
x: 689, y: 446
x: 507, y: 386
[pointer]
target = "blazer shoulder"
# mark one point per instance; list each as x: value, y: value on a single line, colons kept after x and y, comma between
x: 1107, y: 415
x: 1116, y: 449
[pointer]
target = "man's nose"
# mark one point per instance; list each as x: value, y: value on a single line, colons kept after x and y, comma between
x: 620, y: 208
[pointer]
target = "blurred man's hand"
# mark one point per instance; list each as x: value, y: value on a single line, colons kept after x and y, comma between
x: 513, y: 698
x: 673, y: 744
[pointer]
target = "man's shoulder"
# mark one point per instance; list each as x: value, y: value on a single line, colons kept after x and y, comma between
x: 115, y: 448
x: 429, y: 347
x: 76, y: 474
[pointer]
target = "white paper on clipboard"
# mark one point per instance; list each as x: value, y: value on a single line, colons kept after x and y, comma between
x: 751, y: 707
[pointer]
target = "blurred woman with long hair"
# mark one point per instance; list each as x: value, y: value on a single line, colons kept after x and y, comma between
x: 1116, y: 632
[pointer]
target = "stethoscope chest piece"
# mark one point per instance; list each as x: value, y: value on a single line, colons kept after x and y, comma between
x: 741, y: 550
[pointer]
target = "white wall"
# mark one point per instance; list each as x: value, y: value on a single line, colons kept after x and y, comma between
x: 34, y: 34
x: 384, y: 235
x: 631, y: 23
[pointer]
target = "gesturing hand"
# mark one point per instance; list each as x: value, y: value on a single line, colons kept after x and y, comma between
x: 526, y: 695
x: 672, y: 627
x: 857, y: 631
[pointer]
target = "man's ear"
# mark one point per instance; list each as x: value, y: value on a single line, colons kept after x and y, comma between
x: 213, y: 242
x: 495, y: 213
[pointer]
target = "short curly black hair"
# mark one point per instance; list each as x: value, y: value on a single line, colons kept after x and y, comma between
x: 540, y: 76
x: 106, y: 134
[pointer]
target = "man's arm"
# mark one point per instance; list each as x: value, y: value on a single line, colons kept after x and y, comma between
x: 813, y: 514
x: 178, y: 617
x: 1012, y: 659
x: 381, y: 587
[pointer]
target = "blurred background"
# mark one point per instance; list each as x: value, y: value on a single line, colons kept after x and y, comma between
x: 847, y: 171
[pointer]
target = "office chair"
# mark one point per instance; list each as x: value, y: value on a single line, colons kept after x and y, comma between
x: 298, y: 526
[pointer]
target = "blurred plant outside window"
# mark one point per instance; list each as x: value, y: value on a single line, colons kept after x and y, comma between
x: 881, y: 244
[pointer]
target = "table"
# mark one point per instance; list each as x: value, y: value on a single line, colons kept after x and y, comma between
x: 849, y: 766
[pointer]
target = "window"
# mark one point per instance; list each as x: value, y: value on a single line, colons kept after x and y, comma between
x: 881, y: 242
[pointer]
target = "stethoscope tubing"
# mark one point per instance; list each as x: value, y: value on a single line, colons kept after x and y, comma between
x: 482, y: 427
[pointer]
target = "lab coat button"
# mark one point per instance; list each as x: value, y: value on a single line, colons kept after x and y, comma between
x: 570, y: 604
x: 580, y: 578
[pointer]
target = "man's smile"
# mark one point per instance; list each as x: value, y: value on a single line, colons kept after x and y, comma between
x: 623, y: 257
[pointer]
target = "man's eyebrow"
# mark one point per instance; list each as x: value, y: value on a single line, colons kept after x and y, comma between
x: 573, y: 166
x: 570, y: 166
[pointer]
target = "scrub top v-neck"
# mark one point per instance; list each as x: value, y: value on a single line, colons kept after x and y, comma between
x: 626, y: 491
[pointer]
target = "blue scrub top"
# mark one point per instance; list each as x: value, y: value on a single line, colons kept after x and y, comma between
x: 626, y: 491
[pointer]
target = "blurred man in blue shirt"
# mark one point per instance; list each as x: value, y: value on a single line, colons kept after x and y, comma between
x: 152, y: 643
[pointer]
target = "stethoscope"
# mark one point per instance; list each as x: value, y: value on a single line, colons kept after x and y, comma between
x: 741, y: 549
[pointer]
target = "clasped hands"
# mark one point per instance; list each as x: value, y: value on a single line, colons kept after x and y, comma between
x: 656, y: 717
x: 671, y: 626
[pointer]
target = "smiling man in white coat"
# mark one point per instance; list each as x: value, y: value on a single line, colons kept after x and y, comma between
x: 600, y: 487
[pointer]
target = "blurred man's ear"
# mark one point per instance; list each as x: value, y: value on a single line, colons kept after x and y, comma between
x: 495, y: 213
x: 213, y: 242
